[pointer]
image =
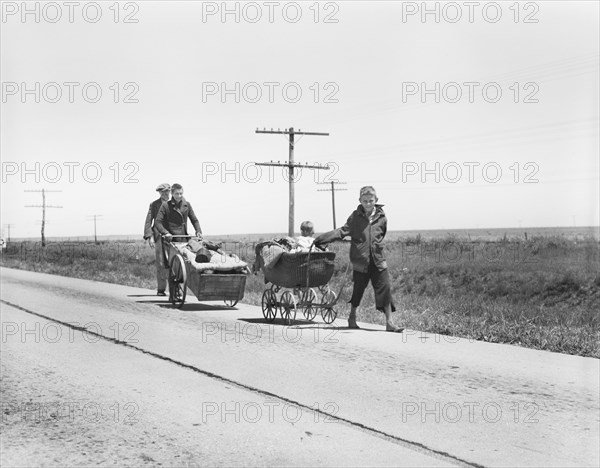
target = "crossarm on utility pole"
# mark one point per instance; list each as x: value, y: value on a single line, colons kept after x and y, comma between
x: 291, y: 165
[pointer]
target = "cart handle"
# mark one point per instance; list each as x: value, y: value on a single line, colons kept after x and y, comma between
x: 164, y: 237
x: 170, y: 243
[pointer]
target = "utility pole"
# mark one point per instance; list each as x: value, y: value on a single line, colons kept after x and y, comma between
x: 290, y: 164
x: 332, y: 190
x: 8, y: 227
x: 43, y: 206
x: 94, y: 218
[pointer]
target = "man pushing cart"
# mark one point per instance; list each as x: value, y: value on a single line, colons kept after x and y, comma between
x: 217, y: 277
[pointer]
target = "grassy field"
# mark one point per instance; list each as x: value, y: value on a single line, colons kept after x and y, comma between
x: 543, y: 292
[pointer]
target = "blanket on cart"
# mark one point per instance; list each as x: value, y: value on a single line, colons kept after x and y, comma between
x: 209, y: 261
x: 269, y: 252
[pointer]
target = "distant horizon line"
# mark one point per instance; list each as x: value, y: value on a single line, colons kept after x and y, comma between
x: 105, y: 236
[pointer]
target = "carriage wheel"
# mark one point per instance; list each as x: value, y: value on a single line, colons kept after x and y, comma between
x: 288, y: 307
x: 328, y: 311
x: 230, y: 302
x: 309, y: 298
x: 269, y: 305
x: 177, y: 281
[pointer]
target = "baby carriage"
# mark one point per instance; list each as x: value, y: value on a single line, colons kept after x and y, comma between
x: 299, y: 278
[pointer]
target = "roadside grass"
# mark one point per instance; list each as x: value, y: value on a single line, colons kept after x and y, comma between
x: 130, y: 264
x: 543, y: 293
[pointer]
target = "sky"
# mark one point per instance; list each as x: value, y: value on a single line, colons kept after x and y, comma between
x: 460, y: 115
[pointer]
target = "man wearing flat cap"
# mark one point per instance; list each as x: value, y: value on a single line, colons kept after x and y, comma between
x: 152, y: 235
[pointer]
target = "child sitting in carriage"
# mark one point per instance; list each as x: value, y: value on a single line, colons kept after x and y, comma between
x: 305, y: 240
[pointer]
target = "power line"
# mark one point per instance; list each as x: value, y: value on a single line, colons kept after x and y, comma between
x: 291, y: 165
x: 477, y: 141
x: 540, y: 73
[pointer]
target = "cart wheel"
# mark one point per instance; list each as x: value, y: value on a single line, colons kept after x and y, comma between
x: 328, y: 311
x: 177, y: 281
x: 269, y: 305
x: 288, y: 307
x: 230, y: 302
x: 309, y: 298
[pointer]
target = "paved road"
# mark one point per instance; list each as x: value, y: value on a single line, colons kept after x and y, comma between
x: 148, y: 384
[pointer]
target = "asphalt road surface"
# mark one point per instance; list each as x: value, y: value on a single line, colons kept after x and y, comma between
x: 102, y: 374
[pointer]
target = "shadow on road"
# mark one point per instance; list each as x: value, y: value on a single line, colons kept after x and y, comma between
x: 277, y: 321
x: 344, y: 328
x: 306, y: 324
x: 187, y: 307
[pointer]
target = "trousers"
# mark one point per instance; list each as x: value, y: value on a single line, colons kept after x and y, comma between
x: 162, y: 272
x: 381, y: 286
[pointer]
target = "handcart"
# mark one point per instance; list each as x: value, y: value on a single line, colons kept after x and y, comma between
x: 228, y: 287
x: 300, y: 277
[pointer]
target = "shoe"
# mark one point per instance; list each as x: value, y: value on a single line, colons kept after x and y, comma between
x: 161, y: 293
x: 395, y: 329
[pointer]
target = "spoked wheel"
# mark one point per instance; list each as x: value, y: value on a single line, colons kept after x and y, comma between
x: 177, y: 281
x: 309, y: 298
x: 288, y: 307
x: 269, y: 305
x: 230, y: 302
x: 328, y: 311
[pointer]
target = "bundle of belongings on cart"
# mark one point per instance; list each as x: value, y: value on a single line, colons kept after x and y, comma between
x: 208, y: 257
x: 290, y: 262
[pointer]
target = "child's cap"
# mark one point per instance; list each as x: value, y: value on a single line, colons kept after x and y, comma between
x: 367, y: 190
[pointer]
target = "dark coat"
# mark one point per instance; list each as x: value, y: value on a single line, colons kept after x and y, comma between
x: 367, y: 238
x: 173, y: 219
x: 150, y: 224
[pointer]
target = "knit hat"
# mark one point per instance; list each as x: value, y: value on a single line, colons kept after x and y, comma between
x: 367, y: 190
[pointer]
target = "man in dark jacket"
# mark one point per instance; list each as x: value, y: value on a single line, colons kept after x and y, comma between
x: 173, y: 215
x: 367, y: 227
x: 152, y: 235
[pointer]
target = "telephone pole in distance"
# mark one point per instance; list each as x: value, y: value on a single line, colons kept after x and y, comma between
x: 43, y: 206
x: 93, y: 217
x: 332, y: 190
x: 8, y: 228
